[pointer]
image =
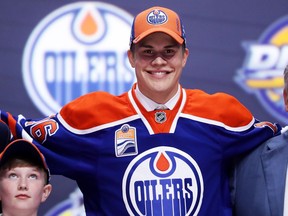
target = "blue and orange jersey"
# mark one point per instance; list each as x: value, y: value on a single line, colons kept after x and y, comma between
x: 128, y: 161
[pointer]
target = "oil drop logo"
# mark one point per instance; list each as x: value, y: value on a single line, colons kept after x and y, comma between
x: 76, y: 49
x: 163, y: 181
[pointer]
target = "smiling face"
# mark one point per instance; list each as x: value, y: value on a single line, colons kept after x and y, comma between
x: 22, y: 189
x: 158, y: 61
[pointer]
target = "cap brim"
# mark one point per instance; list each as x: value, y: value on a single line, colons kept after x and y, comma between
x: 21, y: 148
x: 175, y: 36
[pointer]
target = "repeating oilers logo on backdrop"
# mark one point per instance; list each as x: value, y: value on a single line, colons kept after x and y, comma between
x: 76, y: 49
x: 262, y: 71
x: 163, y: 181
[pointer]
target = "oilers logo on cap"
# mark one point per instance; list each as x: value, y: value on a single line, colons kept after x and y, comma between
x: 163, y: 181
x: 76, y: 49
x: 156, y: 17
x: 262, y: 72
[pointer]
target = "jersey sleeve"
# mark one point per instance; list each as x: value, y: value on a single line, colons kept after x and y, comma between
x: 235, y: 128
x: 66, y: 138
x: 63, y: 150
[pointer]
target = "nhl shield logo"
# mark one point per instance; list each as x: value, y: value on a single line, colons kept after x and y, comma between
x: 160, y: 117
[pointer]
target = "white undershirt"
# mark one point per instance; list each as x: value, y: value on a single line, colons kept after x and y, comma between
x: 150, y: 105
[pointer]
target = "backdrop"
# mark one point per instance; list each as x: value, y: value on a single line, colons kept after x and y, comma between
x: 52, y: 51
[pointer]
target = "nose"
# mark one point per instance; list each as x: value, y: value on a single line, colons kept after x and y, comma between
x: 159, y: 61
x: 22, y: 184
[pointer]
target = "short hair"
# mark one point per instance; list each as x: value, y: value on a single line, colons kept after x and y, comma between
x: 23, y: 162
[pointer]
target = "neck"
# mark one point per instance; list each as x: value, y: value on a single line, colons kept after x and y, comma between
x: 19, y: 212
x: 159, y: 97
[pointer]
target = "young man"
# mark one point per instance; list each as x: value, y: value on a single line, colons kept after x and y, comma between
x: 24, y: 179
x: 158, y: 149
x: 261, y: 178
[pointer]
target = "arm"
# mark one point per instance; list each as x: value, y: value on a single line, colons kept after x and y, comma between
x: 60, y: 147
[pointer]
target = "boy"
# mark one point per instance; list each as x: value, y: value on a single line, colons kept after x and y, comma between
x: 24, y: 179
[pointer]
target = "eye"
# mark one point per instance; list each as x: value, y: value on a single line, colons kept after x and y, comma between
x: 148, y: 51
x: 33, y: 176
x: 12, y: 176
x: 169, y: 51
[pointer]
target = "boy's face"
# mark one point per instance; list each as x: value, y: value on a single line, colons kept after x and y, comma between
x: 23, y: 188
x: 158, y: 61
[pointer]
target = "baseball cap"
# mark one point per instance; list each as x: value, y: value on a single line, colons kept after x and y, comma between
x: 157, y: 19
x: 26, y: 150
x: 5, y: 135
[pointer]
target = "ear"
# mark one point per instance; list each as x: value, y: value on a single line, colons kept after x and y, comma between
x: 285, y: 97
x: 131, y: 58
x: 1, y: 195
x: 185, y: 57
x: 46, y: 192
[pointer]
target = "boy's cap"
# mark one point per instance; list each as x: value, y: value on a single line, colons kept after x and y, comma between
x: 157, y: 19
x: 26, y: 150
x: 5, y: 135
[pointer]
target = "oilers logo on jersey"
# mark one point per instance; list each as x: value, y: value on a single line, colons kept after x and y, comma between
x: 163, y: 181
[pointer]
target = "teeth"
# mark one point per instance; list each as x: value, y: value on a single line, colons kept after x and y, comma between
x: 159, y: 72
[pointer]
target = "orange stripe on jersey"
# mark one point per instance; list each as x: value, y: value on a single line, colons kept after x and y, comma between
x: 219, y: 107
x: 12, y: 124
x: 95, y: 109
x: 100, y: 108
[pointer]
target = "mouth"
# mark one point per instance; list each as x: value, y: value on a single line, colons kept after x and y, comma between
x: 22, y: 196
x: 159, y: 73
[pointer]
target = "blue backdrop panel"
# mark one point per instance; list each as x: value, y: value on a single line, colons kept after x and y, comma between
x: 219, y: 36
